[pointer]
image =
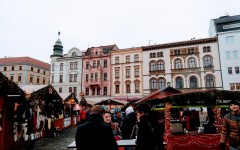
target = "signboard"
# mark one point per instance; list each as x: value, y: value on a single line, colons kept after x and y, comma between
x: 67, y: 122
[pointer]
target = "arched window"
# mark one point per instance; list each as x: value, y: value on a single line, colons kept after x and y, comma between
x: 179, y: 83
x: 160, y: 65
x: 193, y: 82
x: 152, y: 66
x: 209, y: 81
x: 74, y: 54
x: 191, y: 62
x: 178, y: 63
x: 207, y: 61
x: 153, y: 84
x: 162, y: 83
x: 208, y: 49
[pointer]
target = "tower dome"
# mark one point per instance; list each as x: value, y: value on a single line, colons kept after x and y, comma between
x: 57, y: 48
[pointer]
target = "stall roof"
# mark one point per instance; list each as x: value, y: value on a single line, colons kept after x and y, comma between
x: 159, y: 94
x: 30, y: 87
x: 207, y: 97
x: 8, y: 87
x: 71, y: 96
x: 112, y: 102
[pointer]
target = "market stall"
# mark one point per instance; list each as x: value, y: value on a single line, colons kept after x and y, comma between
x: 200, y: 127
x: 10, y: 94
x: 111, y: 104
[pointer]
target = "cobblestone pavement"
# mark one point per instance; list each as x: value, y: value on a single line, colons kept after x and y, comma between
x: 58, y: 143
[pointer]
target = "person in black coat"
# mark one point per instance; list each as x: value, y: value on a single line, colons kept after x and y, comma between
x: 150, y: 133
x: 128, y: 123
x: 95, y: 134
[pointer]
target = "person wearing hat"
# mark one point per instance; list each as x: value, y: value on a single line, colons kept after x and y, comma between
x: 231, y: 127
x: 117, y: 116
x: 94, y: 133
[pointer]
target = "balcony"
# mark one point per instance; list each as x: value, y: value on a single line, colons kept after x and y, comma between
x: 156, y: 72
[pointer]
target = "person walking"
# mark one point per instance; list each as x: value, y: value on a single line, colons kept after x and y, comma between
x: 94, y: 133
x: 231, y: 127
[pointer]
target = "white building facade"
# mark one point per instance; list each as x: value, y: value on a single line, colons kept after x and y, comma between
x: 187, y: 66
x: 227, y: 30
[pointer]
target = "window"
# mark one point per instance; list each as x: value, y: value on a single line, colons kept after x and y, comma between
x: 232, y: 86
x: 60, y: 78
x: 193, y: 82
x: 105, y: 91
x: 5, y: 69
x: 75, y: 65
x: 128, y: 89
x: 237, y: 70
x: 127, y: 72
x: 44, y: 72
x: 228, y: 55
x: 153, y: 84
x: 136, y: 57
x: 237, y: 86
x: 229, y: 70
x: 75, y: 77
x: 20, y: 67
x: 98, y: 90
x: 137, y: 87
x: 11, y: 78
x: 71, y: 65
x: 116, y: 73
x: 136, y: 72
x: 60, y: 90
x: 86, y: 77
x: 160, y: 65
x: 209, y: 81
x: 31, y: 79
x: 87, y: 91
x: 12, y: 68
x: 235, y: 54
x: 191, y: 51
x: 153, y: 55
x: 96, y: 53
x: 53, y: 67
x: 191, y: 62
x: 61, y: 66
x: 70, y: 90
x: 52, y: 79
x: 96, y: 76
x: 229, y: 40
x: 37, y: 80
x: 105, y: 63
x: 178, y: 63
x: 71, y: 78
x: 93, y: 91
x: 127, y: 58
x: 117, y: 88
x: 94, y: 64
x: 179, y: 83
x: 38, y: 70
x: 74, y: 54
x: 116, y: 60
x: 44, y: 81
x: 105, y: 76
x: 204, y: 49
x: 177, y: 52
x: 87, y: 65
x: 91, y: 76
x: 208, y: 49
x: 98, y: 63
x: 162, y: 83
x: 152, y: 66
x: 19, y: 78
x: 207, y: 61
x: 158, y: 54
x: 75, y: 90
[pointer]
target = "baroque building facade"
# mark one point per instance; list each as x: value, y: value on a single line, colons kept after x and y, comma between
x: 96, y: 73
x: 25, y: 70
x: 187, y: 65
x: 126, y: 76
x: 227, y: 31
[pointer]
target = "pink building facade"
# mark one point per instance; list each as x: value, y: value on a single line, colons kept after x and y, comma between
x: 96, y: 73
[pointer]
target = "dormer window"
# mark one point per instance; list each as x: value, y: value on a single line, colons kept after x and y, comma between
x: 74, y: 54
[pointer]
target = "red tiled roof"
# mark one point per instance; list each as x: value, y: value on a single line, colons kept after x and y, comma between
x: 22, y: 60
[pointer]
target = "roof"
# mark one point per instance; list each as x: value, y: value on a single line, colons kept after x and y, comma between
x: 24, y: 60
x: 226, y: 20
x: 106, y: 49
x: 159, y: 94
x: 111, y: 101
x: 30, y: 87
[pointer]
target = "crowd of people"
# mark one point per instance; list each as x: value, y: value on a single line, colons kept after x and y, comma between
x: 103, y: 128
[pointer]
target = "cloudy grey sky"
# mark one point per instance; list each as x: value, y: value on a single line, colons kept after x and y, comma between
x: 30, y: 27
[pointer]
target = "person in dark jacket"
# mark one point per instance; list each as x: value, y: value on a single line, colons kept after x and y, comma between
x: 150, y: 135
x: 128, y: 123
x: 95, y: 134
x: 231, y: 127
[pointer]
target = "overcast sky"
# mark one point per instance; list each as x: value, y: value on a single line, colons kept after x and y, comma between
x: 30, y: 27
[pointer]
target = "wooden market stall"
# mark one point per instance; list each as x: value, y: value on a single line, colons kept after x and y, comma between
x: 10, y: 94
x: 206, y: 110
